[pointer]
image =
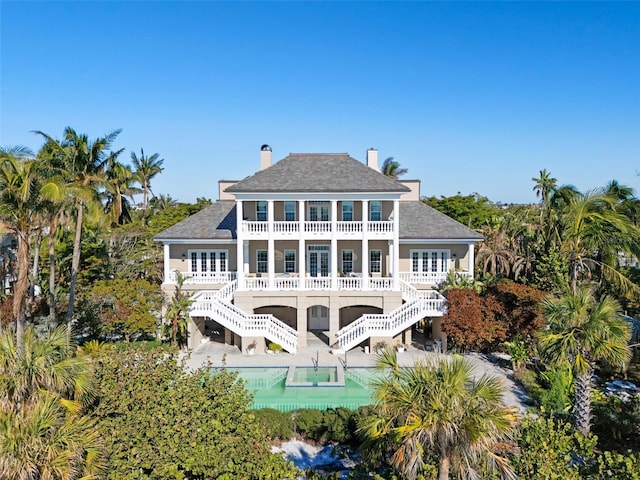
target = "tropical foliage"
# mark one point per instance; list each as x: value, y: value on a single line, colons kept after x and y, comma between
x: 159, y: 421
x: 439, y: 407
x: 45, y: 431
x: 583, y: 330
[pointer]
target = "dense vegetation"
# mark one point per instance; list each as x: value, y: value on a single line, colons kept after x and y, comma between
x: 549, y: 291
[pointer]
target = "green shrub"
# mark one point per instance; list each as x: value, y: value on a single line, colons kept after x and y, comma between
x: 309, y: 423
x: 278, y: 424
x: 340, y: 425
x: 551, y: 449
x: 556, y: 396
x: 275, y: 347
x: 616, y: 466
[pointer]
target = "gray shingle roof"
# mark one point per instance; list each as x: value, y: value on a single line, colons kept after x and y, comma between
x: 217, y: 221
x: 418, y: 220
x: 317, y: 172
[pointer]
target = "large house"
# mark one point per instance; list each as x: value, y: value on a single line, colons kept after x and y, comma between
x: 317, y: 244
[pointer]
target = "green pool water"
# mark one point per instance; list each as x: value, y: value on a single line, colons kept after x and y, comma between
x: 310, y: 374
x: 269, y: 390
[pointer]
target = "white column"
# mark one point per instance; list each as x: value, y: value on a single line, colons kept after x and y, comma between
x: 395, y: 262
x: 245, y: 252
x: 471, y: 259
x: 365, y: 244
x: 167, y: 262
x: 302, y: 251
x: 271, y: 252
x: 240, y: 259
x: 334, y: 245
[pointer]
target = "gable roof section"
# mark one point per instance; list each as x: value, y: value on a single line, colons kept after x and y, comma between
x: 421, y: 221
x: 318, y: 172
x: 217, y: 221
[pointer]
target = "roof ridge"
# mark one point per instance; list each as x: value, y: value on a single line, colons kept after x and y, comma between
x: 301, y: 154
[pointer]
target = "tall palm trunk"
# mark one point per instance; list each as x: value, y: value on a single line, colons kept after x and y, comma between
x: 583, y: 402
x: 443, y: 468
x: 52, y: 269
x: 20, y: 289
x: 75, y: 262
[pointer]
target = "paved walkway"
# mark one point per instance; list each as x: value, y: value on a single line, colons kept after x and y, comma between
x: 218, y: 354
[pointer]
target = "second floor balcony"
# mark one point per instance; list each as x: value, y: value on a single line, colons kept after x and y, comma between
x: 317, y: 229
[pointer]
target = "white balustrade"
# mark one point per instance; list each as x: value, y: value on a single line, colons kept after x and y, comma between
x: 317, y: 283
x: 417, y: 306
x: 286, y: 227
x: 317, y: 227
x: 349, y: 227
x: 380, y: 227
x: 215, y: 305
x: 201, y: 277
x: 253, y: 228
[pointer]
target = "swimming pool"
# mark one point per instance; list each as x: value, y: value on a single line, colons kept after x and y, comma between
x: 268, y: 386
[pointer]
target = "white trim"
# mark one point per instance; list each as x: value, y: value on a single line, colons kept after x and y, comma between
x: 441, y: 241
x: 262, y: 261
x: 284, y: 260
x: 194, y: 241
x: 319, y: 195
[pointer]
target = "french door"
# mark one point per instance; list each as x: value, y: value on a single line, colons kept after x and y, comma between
x: 318, y: 260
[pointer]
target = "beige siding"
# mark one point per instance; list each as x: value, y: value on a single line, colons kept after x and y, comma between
x: 414, y: 194
x: 222, y: 186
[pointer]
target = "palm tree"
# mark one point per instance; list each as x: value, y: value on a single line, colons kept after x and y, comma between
x: 392, y: 169
x: 592, y: 233
x: 544, y: 186
x: 495, y: 256
x: 145, y: 169
x: 583, y: 330
x: 85, y: 162
x: 177, y: 313
x: 43, y: 386
x: 436, y: 406
x: 20, y: 184
x: 119, y: 187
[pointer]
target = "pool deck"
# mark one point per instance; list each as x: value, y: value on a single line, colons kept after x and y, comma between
x: 218, y: 355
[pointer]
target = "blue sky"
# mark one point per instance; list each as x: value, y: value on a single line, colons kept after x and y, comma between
x: 470, y: 97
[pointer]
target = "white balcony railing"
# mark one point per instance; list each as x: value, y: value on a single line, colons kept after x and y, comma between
x: 317, y: 227
x: 201, y: 277
x: 215, y: 304
x: 252, y: 228
x: 387, y: 325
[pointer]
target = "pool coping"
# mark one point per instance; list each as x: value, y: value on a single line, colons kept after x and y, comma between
x: 290, y: 382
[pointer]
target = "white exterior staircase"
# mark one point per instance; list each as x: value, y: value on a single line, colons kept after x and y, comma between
x: 417, y: 306
x: 217, y: 306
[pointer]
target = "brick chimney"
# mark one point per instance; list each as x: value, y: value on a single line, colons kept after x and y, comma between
x: 265, y: 156
x: 372, y: 159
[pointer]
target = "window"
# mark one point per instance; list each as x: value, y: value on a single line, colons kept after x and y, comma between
x: 375, y: 261
x: 290, y: 211
x: 347, y: 211
x: 289, y: 261
x: 375, y: 211
x: 207, y: 261
x: 347, y: 261
x: 430, y: 261
x: 261, y: 211
x: 318, y: 211
x: 262, y: 261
